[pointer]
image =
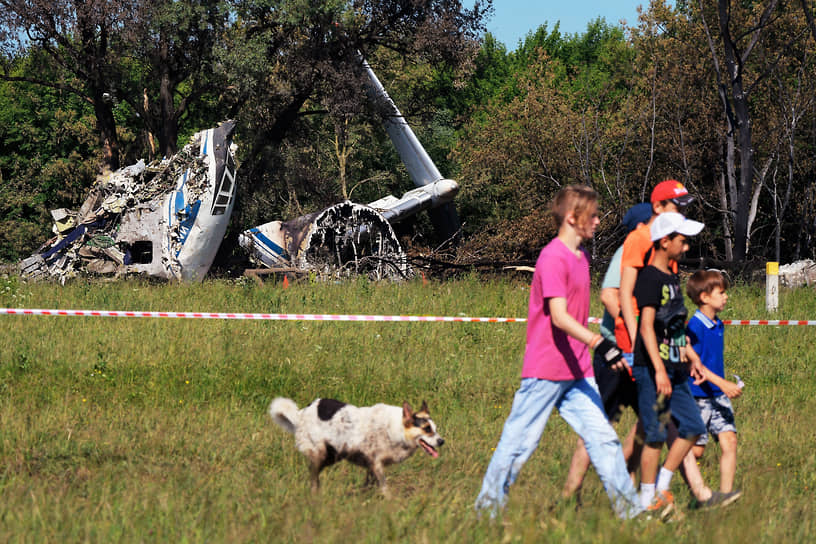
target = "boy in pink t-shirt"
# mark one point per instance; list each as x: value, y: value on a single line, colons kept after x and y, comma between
x: 557, y: 370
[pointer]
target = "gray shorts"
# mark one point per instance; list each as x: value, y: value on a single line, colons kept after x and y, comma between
x: 718, y: 416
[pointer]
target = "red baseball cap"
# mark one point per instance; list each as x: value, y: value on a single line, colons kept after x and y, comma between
x: 671, y: 190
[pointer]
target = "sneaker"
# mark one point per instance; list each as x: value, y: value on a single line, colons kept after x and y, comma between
x: 662, y: 506
x: 719, y: 499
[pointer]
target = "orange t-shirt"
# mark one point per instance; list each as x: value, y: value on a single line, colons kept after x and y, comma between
x: 637, y: 253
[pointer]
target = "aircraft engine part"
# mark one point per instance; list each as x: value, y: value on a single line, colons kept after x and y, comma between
x: 353, y: 239
x: 343, y: 240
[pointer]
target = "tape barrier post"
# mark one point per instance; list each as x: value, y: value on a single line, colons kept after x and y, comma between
x: 771, y: 286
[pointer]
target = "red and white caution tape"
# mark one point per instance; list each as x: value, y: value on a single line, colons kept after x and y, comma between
x: 268, y: 317
x: 775, y: 322
x: 337, y: 317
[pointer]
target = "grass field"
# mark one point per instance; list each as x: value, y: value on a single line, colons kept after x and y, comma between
x: 155, y: 430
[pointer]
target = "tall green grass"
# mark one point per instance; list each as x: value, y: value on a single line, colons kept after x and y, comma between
x: 155, y: 430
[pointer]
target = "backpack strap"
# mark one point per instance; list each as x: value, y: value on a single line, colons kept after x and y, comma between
x: 648, y: 256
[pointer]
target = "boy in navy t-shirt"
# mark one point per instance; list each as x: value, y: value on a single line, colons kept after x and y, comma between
x: 660, y: 369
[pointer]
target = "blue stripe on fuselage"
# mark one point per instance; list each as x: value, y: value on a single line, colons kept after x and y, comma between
x: 190, y: 212
x: 184, y: 228
x: 267, y: 242
x: 178, y: 202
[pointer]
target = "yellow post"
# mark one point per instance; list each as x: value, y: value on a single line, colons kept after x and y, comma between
x: 771, y: 286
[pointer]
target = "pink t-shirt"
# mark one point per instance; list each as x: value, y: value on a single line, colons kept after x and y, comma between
x: 551, y: 354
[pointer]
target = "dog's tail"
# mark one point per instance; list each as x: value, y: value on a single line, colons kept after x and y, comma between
x: 284, y: 412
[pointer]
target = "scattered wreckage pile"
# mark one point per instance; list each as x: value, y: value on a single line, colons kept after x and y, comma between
x: 798, y: 274
x: 341, y: 241
x: 109, y: 236
x: 167, y: 220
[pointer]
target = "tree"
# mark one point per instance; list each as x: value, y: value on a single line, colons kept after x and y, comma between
x: 290, y: 52
x: 290, y: 61
x: 156, y: 56
x: 167, y: 64
x: 75, y: 36
x: 724, y: 112
x: 567, y: 114
x: 679, y: 117
x: 48, y: 155
x: 738, y: 39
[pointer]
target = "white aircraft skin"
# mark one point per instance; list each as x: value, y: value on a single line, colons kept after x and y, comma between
x: 195, y: 228
x: 123, y: 229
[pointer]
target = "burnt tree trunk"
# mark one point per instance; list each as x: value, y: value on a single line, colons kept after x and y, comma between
x: 168, y: 120
x: 106, y: 126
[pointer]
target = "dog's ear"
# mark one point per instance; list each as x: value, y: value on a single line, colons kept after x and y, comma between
x: 407, y: 414
x: 424, y: 407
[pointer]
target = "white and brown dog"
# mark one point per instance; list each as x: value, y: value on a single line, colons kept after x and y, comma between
x: 372, y: 437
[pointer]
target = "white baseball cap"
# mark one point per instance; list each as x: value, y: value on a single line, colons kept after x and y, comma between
x: 668, y: 222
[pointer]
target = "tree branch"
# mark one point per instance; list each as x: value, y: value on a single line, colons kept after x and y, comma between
x: 809, y: 17
x: 50, y: 84
x: 755, y: 32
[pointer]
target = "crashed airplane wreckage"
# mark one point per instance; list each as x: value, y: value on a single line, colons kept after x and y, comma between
x: 355, y: 239
x: 165, y: 220
x: 345, y: 239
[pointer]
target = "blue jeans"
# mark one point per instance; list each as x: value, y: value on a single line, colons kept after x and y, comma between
x: 680, y: 406
x: 579, y: 404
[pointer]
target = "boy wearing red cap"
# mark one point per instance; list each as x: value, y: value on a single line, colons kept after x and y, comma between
x: 667, y: 196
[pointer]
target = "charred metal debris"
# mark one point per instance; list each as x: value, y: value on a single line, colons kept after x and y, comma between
x: 141, y: 219
x: 167, y: 219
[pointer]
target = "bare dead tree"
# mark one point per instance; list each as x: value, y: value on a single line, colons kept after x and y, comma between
x: 735, y: 96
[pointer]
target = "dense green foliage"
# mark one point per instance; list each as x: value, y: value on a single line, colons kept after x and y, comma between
x: 155, y: 430
x: 47, y: 157
x: 617, y: 108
